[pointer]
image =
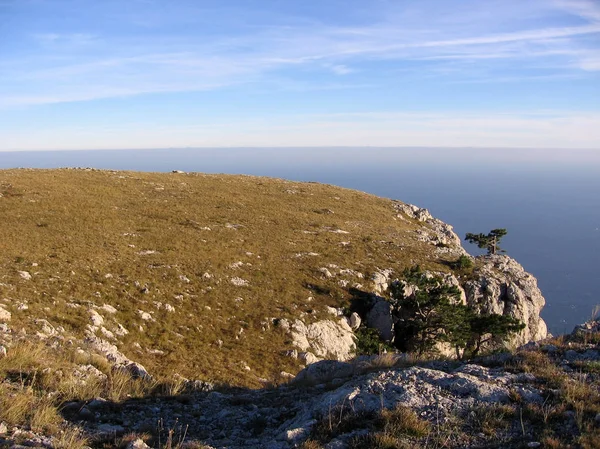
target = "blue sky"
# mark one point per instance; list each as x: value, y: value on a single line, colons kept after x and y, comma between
x: 83, y: 74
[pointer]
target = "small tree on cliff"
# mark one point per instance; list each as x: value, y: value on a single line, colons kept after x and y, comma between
x: 432, y: 312
x: 429, y: 315
x: 490, y: 241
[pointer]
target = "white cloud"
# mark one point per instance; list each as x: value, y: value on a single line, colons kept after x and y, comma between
x: 451, y: 42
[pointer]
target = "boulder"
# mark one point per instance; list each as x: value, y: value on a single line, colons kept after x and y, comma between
x: 5, y: 315
x: 354, y: 321
x: 381, y: 279
x: 325, y: 338
x: 380, y: 318
x: 502, y: 286
x: 118, y: 359
x: 324, y: 371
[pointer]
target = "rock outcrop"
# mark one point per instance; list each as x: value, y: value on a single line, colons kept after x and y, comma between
x: 438, y: 233
x: 502, y: 286
x: 324, y: 339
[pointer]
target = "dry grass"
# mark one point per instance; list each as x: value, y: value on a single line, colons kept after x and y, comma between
x: 87, y: 240
x: 70, y: 437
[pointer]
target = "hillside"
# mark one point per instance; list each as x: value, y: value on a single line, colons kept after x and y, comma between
x: 196, y: 311
x: 186, y: 273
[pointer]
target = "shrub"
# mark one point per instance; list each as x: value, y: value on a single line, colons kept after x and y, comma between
x: 368, y: 342
x: 463, y: 263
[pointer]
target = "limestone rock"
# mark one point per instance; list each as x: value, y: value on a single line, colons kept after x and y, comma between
x: 380, y: 318
x: 502, y: 286
x: 354, y: 321
x: 96, y: 318
x: 5, y: 315
x: 25, y: 275
x: 138, y: 444
x: 46, y: 329
x: 85, y: 373
x: 381, y: 279
x: 326, y: 338
x: 117, y: 358
x: 324, y: 371
x: 443, y: 232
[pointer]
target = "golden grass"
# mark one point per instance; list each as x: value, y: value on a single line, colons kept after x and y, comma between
x: 87, y: 239
x: 70, y: 437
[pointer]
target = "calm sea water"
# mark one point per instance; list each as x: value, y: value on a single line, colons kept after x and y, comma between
x: 549, y: 204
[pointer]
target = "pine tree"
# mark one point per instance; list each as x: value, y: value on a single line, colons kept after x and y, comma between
x: 432, y: 313
x: 490, y: 241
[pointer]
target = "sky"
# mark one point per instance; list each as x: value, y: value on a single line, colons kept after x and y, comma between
x: 116, y: 74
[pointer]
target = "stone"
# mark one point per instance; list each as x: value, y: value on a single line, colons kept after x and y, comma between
x: 324, y: 371
x: 308, y: 358
x: 354, y: 321
x: 502, y: 286
x: 24, y: 275
x: 3, y: 351
x: 96, y: 318
x: 239, y: 282
x: 442, y: 232
x: 5, y: 315
x: 380, y: 318
x: 325, y: 272
x: 326, y: 338
x: 380, y: 280
x: 137, y: 444
x: 3, y: 428
x: 145, y: 316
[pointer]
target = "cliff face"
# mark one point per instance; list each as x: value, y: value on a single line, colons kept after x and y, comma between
x: 502, y: 286
x: 499, y: 284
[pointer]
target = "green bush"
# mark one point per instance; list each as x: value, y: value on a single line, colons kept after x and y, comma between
x: 369, y: 342
x: 463, y: 263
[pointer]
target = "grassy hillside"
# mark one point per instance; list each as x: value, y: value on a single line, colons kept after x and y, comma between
x: 197, y: 266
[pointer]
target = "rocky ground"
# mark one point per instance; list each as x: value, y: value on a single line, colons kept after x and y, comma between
x: 544, y: 395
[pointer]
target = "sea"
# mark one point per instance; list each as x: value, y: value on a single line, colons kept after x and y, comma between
x: 548, y: 200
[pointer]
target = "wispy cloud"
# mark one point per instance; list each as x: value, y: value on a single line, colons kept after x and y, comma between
x: 482, y: 38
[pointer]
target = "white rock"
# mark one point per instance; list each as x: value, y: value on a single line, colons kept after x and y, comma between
x: 109, y: 309
x: 169, y: 308
x: 380, y: 280
x: 354, y: 321
x: 325, y: 272
x: 25, y: 275
x: 145, y: 315
x: 326, y: 338
x: 121, y: 331
x: 239, y: 282
x: 5, y: 315
x: 502, y: 286
x: 96, y: 318
x: 137, y: 444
